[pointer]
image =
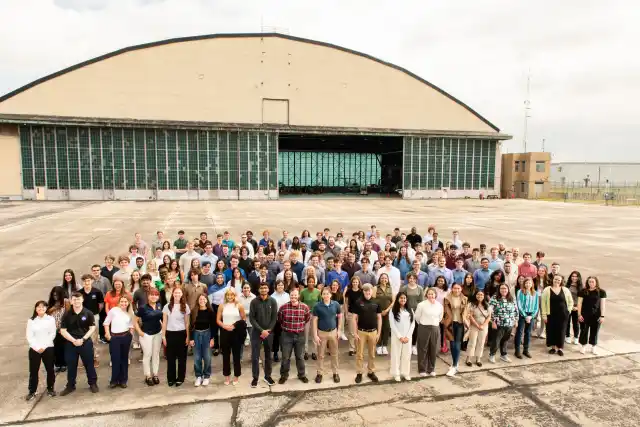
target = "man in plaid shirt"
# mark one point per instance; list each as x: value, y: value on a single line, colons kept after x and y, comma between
x: 292, y: 317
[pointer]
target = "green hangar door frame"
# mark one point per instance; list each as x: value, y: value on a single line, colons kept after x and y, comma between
x: 107, y: 163
x: 443, y: 167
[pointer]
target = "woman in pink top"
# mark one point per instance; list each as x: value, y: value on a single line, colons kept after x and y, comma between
x: 442, y: 289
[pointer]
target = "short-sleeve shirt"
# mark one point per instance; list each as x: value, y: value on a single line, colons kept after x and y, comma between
x: 367, y: 312
x: 151, y: 318
x: 353, y: 297
x: 327, y: 315
x: 77, y: 324
x: 591, y: 302
x: 175, y: 317
x: 139, y: 297
x: 92, y: 299
x: 179, y: 244
x: 310, y: 298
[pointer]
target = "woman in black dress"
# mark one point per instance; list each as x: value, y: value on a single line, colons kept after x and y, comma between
x: 556, y: 303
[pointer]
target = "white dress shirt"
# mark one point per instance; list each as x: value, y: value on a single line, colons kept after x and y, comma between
x: 41, y: 331
x: 119, y: 320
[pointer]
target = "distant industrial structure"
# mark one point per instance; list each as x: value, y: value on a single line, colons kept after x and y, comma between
x: 596, y: 174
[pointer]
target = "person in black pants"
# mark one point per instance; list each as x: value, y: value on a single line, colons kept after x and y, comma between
x: 77, y: 326
x: 263, y: 314
x: 232, y: 320
x: 57, y: 307
x: 41, y: 331
x: 591, y: 308
x: 175, y: 336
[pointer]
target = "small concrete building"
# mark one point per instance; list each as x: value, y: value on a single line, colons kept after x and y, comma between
x: 525, y: 175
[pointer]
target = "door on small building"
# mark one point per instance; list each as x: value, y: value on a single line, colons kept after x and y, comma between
x: 539, y: 189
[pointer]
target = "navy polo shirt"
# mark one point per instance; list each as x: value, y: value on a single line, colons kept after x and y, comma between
x: 327, y: 315
x: 151, y: 318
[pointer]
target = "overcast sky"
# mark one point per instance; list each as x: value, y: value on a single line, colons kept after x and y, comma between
x: 582, y: 54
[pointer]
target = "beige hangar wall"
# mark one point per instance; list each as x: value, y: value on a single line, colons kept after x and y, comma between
x: 10, y: 180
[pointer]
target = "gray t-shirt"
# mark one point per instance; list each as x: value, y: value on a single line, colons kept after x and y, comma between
x: 175, y: 318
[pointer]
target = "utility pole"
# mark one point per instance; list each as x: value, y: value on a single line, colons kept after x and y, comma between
x: 527, y: 109
x: 543, y: 140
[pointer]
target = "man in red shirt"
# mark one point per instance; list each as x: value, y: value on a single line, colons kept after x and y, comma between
x: 292, y: 318
x: 527, y: 269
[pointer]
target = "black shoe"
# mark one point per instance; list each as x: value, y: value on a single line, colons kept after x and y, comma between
x: 123, y: 386
x: 313, y: 356
x: 113, y: 385
x: 57, y: 369
x: 67, y: 390
x: 216, y: 352
x: 269, y: 381
x: 373, y: 377
x: 552, y: 351
x: 94, y: 388
x: 156, y: 380
x: 479, y: 364
x: 468, y: 363
x: 518, y: 355
x: 526, y: 354
x: 30, y: 397
x: 254, y: 383
x: 282, y: 380
x: 178, y: 383
x: 336, y: 378
x: 275, y: 357
x: 306, y: 356
x: 63, y: 369
x: 149, y: 382
x: 358, y: 378
x: 318, y: 379
x: 171, y: 384
x: 304, y: 379
x: 51, y: 393
x: 560, y: 352
x: 351, y: 353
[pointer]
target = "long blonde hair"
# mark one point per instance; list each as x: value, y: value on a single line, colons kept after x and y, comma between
x: 230, y: 291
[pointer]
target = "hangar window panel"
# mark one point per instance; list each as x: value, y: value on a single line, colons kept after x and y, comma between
x: 128, y: 157
x: 273, y: 161
x: 61, y: 155
x: 51, y: 170
x: 183, y: 161
x: 477, y: 163
x: 433, y: 175
x: 439, y: 155
x: 203, y: 160
x: 233, y: 161
x: 481, y: 175
x: 213, y: 159
x: 491, y: 165
x: 223, y: 153
x: 107, y: 157
x: 140, y: 159
x: 468, y: 172
x: 192, y: 159
x: 446, y: 162
x: 96, y: 159
x: 454, y: 164
x: 172, y: 160
x: 243, y: 142
x: 151, y: 159
x: 118, y: 160
x: 423, y: 149
x: 85, y: 158
x: 161, y: 158
x: 254, y: 165
x: 37, y: 141
x: 74, y: 165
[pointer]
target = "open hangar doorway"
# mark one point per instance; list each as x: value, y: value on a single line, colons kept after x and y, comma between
x: 316, y: 164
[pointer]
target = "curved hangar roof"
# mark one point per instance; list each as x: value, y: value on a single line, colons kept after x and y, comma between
x: 246, y: 79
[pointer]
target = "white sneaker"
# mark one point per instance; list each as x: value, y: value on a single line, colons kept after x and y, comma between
x: 423, y: 374
x: 543, y: 335
x: 343, y: 337
x: 594, y: 350
x: 567, y: 340
x: 407, y: 378
x: 451, y: 372
x: 505, y: 359
x: 379, y: 351
x: 492, y: 359
x: 385, y: 351
x: 205, y: 382
x: 198, y: 382
x: 397, y: 379
x: 583, y: 349
x: 575, y: 341
x: 432, y: 374
x: 414, y: 350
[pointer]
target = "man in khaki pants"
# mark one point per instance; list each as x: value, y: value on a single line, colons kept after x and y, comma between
x: 326, y: 317
x: 367, y: 320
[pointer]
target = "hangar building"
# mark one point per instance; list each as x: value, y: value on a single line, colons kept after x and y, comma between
x: 241, y: 116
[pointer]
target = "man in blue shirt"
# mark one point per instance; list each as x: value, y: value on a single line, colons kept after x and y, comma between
x: 441, y: 270
x: 495, y: 263
x: 338, y: 274
x: 227, y: 240
x: 326, y: 315
x: 228, y: 273
x: 459, y: 273
x: 481, y: 276
x: 265, y: 239
x: 421, y: 276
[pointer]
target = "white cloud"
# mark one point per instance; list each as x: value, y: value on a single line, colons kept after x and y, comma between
x: 584, y: 69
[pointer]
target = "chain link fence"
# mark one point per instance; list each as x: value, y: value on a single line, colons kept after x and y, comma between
x: 625, y: 193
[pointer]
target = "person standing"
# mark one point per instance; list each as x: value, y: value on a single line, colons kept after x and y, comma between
x: 415, y: 295
x: 118, y: 328
x: 202, y: 320
x: 103, y: 285
x: 232, y: 321
x: 591, y: 309
x: 482, y: 276
x: 527, y: 302
x: 504, y: 316
x: 263, y: 316
x: 428, y: 316
x: 293, y: 316
x: 455, y: 315
x: 175, y: 336
x: 556, y: 305
x: 93, y: 300
x: 148, y: 324
x: 41, y: 331
x: 382, y: 295
x: 58, y: 305
x: 310, y: 297
x: 480, y: 319
x: 367, y: 321
x: 402, y: 326
x: 326, y: 317
x: 574, y: 284
x: 77, y: 327
x: 281, y: 298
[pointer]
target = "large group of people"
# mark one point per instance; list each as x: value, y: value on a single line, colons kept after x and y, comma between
x: 398, y: 295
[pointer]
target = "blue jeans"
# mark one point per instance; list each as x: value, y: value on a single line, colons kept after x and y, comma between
x: 119, y: 350
x: 458, y: 335
x: 525, y: 327
x: 202, y: 353
x: 85, y: 352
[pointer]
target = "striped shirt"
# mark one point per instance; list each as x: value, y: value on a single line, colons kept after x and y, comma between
x: 527, y: 303
x: 292, y: 318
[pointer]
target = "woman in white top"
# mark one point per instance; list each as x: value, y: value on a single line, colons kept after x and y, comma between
x: 281, y: 298
x: 41, y: 331
x: 231, y: 318
x: 245, y: 299
x: 166, y: 249
x: 402, y: 325
x: 175, y: 336
x: 428, y: 317
x: 118, y: 328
